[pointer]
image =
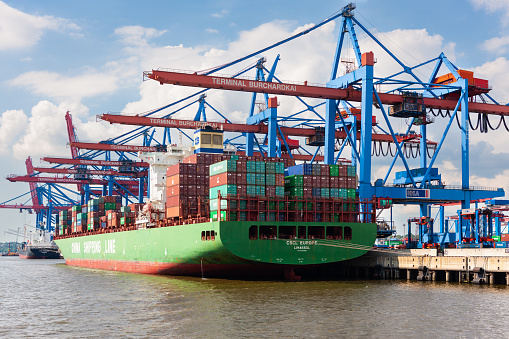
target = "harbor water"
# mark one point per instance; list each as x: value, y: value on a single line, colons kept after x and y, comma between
x: 46, y: 298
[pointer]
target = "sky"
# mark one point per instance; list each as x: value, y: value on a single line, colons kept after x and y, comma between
x: 88, y: 58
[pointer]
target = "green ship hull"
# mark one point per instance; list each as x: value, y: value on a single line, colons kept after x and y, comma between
x: 229, y: 249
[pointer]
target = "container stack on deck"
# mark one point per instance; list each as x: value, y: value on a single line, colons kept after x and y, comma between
x: 64, y: 222
x: 244, y: 178
x: 103, y: 212
x: 185, y: 190
x: 242, y: 182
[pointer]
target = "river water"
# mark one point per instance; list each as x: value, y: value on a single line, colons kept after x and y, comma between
x: 46, y: 298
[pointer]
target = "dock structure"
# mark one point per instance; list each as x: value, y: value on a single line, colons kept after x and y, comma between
x: 473, y: 265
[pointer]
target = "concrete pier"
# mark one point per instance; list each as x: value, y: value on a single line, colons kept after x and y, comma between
x: 459, y: 265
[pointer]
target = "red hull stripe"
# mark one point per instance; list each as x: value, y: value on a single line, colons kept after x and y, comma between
x: 205, y: 270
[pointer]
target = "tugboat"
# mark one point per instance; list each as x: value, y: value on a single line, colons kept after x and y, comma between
x: 39, y: 245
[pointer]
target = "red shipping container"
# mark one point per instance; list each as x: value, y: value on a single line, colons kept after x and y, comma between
x: 334, y: 182
x: 226, y: 178
x: 316, y: 181
x: 307, y: 181
x: 176, y: 190
x: 177, y: 179
x: 481, y: 83
x: 270, y: 191
x: 191, y: 190
x: 343, y: 170
x: 181, y: 168
x: 324, y: 170
x: 324, y: 182
x: 172, y: 212
x: 242, y: 190
x: 191, y: 159
x: 174, y: 201
x: 308, y: 192
x: 241, y: 178
x: 351, y: 182
x: 200, y: 169
x: 342, y: 182
x: 280, y: 179
x: 241, y: 166
x: 504, y: 237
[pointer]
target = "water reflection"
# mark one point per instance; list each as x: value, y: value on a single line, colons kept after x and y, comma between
x: 42, y: 299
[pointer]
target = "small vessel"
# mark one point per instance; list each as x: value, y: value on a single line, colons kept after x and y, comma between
x: 10, y: 253
x: 39, y: 245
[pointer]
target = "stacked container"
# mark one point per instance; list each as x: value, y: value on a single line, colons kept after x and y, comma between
x: 64, y: 222
x: 186, y: 189
x: 318, y: 180
x: 243, y: 178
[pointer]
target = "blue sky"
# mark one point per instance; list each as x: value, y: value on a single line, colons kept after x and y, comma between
x: 88, y: 57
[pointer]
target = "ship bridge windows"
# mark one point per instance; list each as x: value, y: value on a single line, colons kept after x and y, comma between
x: 316, y: 232
x: 287, y: 232
x: 268, y: 232
x: 334, y: 232
x: 253, y: 232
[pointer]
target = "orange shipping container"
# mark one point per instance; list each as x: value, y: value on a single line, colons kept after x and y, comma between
x: 172, y: 212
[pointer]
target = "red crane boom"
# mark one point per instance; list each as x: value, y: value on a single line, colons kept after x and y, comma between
x: 303, y: 90
x: 65, y: 161
x: 91, y: 172
x: 228, y: 127
x: 64, y: 180
x: 113, y: 147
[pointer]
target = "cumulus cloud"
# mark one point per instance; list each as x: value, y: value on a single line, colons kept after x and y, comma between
x: 57, y: 86
x: 137, y: 36
x: 22, y: 30
x: 12, y: 124
x: 497, y: 45
x: 491, y: 6
x: 220, y: 14
x: 211, y: 30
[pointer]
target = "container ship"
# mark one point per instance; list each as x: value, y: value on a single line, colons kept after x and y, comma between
x: 224, y: 215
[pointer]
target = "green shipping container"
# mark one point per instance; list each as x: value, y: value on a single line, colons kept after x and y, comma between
x: 496, y: 237
x: 270, y: 167
x: 351, y: 171
x: 232, y: 215
x: 110, y: 206
x: 251, y: 190
x: 251, y: 166
x: 294, y: 191
x: 223, y: 166
x: 334, y: 170
x: 260, y: 191
x: 351, y: 193
x: 260, y: 179
x: 260, y: 167
x: 213, y: 204
x: 224, y: 190
x: 343, y: 193
x: 280, y: 191
x: 280, y: 168
x: 325, y: 192
x: 270, y: 178
x: 294, y: 181
x: 251, y: 178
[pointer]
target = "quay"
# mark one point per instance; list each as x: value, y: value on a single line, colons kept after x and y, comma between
x: 469, y: 265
